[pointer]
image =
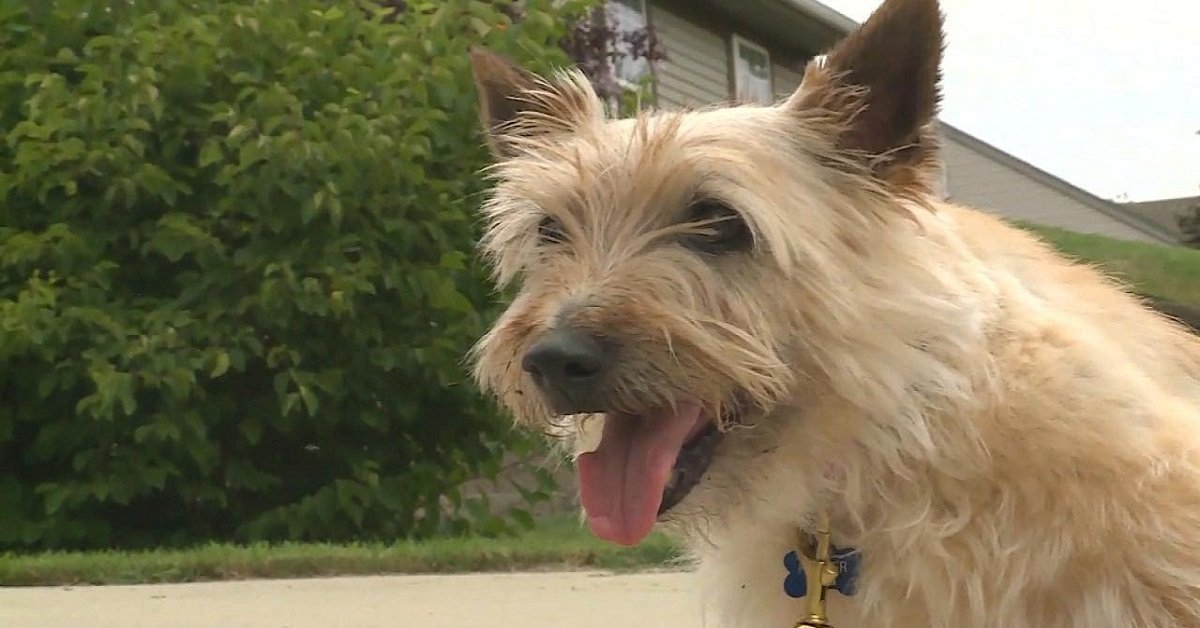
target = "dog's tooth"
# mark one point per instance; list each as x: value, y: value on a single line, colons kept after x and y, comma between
x: 589, y: 431
x: 674, y: 479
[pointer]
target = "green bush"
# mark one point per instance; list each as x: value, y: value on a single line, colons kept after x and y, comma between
x: 236, y: 280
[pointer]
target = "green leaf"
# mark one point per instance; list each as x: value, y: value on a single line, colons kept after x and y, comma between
x: 238, y: 131
x: 210, y: 154
x: 310, y: 400
x: 289, y: 401
x: 480, y: 27
x: 221, y: 366
x: 453, y: 260
x: 53, y: 498
x: 66, y: 55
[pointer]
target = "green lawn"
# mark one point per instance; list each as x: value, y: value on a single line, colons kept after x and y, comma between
x: 1171, y: 272
x: 558, y: 544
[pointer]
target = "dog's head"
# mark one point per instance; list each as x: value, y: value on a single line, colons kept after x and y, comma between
x: 683, y: 273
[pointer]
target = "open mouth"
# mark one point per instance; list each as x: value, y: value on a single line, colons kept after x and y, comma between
x: 690, y: 465
x: 644, y: 466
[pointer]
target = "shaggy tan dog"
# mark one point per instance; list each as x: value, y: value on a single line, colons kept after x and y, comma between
x: 743, y: 316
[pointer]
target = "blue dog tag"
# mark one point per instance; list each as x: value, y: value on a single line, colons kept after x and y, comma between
x: 847, y: 561
x: 794, y: 584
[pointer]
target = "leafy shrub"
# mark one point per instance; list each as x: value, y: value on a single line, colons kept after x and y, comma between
x: 236, y: 280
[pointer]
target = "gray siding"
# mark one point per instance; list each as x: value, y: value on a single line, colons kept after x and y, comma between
x: 696, y: 71
x: 984, y: 183
x: 785, y: 80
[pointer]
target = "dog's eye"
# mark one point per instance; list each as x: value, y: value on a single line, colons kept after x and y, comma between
x: 717, y: 228
x: 550, y: 231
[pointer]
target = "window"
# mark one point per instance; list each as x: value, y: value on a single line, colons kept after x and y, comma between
x: 628, y: 16
x: 751, y: 73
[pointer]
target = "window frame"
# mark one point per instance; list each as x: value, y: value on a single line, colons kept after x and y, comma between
x: 736, y: 43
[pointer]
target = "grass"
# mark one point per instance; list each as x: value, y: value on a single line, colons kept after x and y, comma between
x: 1171, y: 272
x: 559, y: 544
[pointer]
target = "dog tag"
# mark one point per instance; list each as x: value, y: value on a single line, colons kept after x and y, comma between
x: 794, y: 584
x: 847, y: 561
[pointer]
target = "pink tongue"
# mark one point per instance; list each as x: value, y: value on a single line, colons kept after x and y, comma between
x: 621, y: 482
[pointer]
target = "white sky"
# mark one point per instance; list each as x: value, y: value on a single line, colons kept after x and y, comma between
x: 1104, y: 94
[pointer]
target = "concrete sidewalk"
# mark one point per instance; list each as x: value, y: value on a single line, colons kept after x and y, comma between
x: 538, y: 600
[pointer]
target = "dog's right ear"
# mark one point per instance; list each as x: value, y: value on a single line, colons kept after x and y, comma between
x: 517, y: 106
x: 882, y: 86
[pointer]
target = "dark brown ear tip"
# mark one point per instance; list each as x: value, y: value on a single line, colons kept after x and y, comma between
x: 921, y: 14
x: 482, y: 57
x: 487, y: 54
x: 489, y: 65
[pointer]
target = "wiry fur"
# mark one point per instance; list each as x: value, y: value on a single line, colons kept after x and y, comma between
x: 1010, y: 438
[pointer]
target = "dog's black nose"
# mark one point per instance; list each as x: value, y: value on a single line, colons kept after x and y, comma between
x: 568, y: 365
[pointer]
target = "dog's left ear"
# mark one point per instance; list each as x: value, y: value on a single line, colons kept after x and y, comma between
x: 516, y: 106
x: 881, y: 87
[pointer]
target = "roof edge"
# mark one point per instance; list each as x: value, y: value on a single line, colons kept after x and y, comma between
x: 824, y: 13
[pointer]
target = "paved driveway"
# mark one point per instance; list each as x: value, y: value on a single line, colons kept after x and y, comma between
x: 540, y: 600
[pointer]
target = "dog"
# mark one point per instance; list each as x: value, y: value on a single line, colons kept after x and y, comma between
x: 739, y: 317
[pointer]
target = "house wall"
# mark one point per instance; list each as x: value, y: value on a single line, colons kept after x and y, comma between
x: 1166, y: 213
x: 785, y: 80
x: 984, y: 183
x: 696, y: 73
